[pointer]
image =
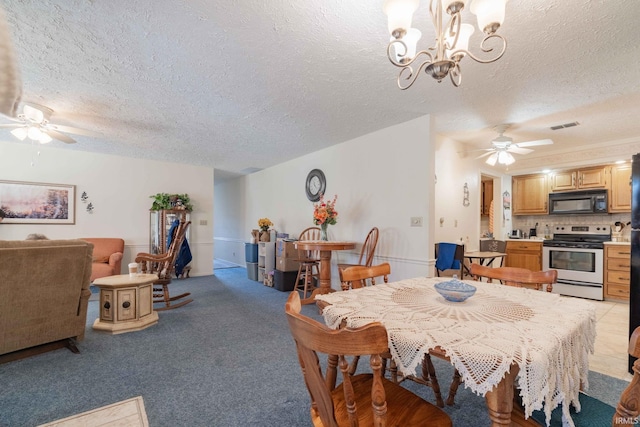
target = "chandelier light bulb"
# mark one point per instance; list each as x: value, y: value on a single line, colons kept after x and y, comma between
x: 490, y: 14
x: 399, y: 14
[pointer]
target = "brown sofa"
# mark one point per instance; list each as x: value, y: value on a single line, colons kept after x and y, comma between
x: 107, y: 256
x: 44, y: 291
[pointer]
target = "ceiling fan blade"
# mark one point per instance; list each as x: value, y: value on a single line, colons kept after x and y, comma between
x: 71, y: 129
x: 12, y: 125
x: 533, y: 143
x: 60, y: 136
x: 518, y: 150
x: 489, y: 152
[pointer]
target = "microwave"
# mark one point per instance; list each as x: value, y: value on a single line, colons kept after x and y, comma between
x: 578, y: 202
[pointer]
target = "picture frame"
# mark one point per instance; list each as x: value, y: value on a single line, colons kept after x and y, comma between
x: 37, y: 203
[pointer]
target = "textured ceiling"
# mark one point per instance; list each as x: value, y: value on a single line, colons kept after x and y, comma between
x: 249, y: 84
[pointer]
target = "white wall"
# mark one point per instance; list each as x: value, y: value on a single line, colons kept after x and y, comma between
x: 119, y: 188
x: 382, y: 179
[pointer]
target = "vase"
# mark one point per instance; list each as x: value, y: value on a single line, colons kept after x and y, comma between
x: 323, y: 231
x: 264, y: 236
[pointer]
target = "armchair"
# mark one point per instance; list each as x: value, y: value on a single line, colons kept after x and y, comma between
x: 107, y: 256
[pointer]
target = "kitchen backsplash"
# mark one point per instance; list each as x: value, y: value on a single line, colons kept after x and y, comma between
x: 525, y: 222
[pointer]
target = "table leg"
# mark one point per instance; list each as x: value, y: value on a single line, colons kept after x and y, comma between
x: 324, y: 286
x: 500, y: 400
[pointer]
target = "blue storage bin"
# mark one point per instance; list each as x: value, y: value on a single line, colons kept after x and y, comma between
x: 251, y: 252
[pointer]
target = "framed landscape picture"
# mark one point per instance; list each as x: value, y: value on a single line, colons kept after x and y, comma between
x: 37, y: 203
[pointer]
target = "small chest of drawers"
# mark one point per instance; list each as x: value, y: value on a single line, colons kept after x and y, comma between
x: 617, y: 271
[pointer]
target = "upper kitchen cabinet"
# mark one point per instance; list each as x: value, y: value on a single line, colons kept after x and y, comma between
x: 620, y: 192
x: 580, y: 179
x: 530, y: 194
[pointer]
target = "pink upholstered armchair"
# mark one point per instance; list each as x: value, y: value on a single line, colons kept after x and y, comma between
x: 107, y: 256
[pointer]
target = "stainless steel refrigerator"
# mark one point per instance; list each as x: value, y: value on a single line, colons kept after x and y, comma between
x: 634, y: 297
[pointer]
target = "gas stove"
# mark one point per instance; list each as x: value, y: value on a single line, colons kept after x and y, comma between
x: 579, y: 236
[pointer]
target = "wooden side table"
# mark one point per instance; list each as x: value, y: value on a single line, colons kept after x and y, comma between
x: 126, y: 303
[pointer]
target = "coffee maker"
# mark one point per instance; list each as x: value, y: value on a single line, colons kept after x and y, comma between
x: 533, y: 232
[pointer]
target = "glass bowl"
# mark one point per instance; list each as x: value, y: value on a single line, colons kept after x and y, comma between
x: 455, y: 290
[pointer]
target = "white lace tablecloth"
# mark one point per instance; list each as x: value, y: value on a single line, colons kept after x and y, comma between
x: 549, y: 337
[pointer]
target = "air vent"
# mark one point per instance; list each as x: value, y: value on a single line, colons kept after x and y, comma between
x: 566, y: 125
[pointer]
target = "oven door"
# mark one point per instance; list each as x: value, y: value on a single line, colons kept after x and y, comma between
x: 580, y: 270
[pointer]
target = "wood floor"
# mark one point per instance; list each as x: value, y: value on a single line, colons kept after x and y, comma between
x: 612, y: 340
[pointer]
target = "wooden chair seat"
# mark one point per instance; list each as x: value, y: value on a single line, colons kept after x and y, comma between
x: 360, y: 400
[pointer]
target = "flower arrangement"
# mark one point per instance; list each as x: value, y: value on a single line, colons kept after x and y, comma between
x: 264, y: 224
x: 325, y: 212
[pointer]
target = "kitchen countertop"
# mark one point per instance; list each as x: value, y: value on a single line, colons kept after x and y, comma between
x: 617, y: 243
x: 535, y: 239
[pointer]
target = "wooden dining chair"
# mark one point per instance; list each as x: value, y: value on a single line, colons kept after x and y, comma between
x: 446, y: 255
x: 308, y: 260
x: 492, y: 245
x: 594, y: 412
x: 515, y: 276
x: 366, y: 253
x: 359, y: 276
x: 366, y: 399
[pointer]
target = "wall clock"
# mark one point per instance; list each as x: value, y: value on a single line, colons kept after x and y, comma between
x: 315, y: 185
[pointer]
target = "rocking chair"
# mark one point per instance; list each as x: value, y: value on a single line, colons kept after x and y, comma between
x: 164, y: 265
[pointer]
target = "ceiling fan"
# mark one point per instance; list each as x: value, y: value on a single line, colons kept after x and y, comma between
x: 503, y: 146
x: 33, y: 123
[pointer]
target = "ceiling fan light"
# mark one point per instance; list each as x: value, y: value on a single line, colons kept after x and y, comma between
x: 399, y: 14
x: 490, y: 14
x: 491, y: 160
x: 20, y: 133
x: 505, y: 158
x: 34, y: 133
x: 44, y: 138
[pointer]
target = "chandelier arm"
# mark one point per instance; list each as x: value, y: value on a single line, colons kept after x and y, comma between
x: 412, y: 60
x: 484, y: 49
x: 456, y: 75
x: 411, y: 78
x: 453, y: 27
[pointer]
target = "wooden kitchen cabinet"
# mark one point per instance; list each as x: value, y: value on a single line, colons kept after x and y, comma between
x: 580, y: 179
x: 487, y: 197
x: 524, y: 254
x: 620, y: 191
x: 617, y: 271
x: 530, y: 194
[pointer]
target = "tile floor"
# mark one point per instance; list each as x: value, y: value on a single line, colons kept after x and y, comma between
x: 612, y: 340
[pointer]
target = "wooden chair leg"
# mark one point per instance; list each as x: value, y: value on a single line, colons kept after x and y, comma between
x: 429, y: 375
x: 453, y: 389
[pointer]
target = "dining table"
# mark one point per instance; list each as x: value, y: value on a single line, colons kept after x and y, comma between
x: 324, y: 248
x: 482, y: 258
x: 500, y: 337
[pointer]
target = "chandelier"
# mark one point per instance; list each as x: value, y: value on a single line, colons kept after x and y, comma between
x: 452, y: 39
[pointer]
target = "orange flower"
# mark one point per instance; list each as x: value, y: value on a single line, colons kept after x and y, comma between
x: 325, y: 212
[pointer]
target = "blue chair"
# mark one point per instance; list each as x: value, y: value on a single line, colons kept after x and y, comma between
x: 449, y: 256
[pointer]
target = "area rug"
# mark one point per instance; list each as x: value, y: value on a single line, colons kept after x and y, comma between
x: 128, y: 413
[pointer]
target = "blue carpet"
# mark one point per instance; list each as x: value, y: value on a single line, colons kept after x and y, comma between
x: 226, y: 359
